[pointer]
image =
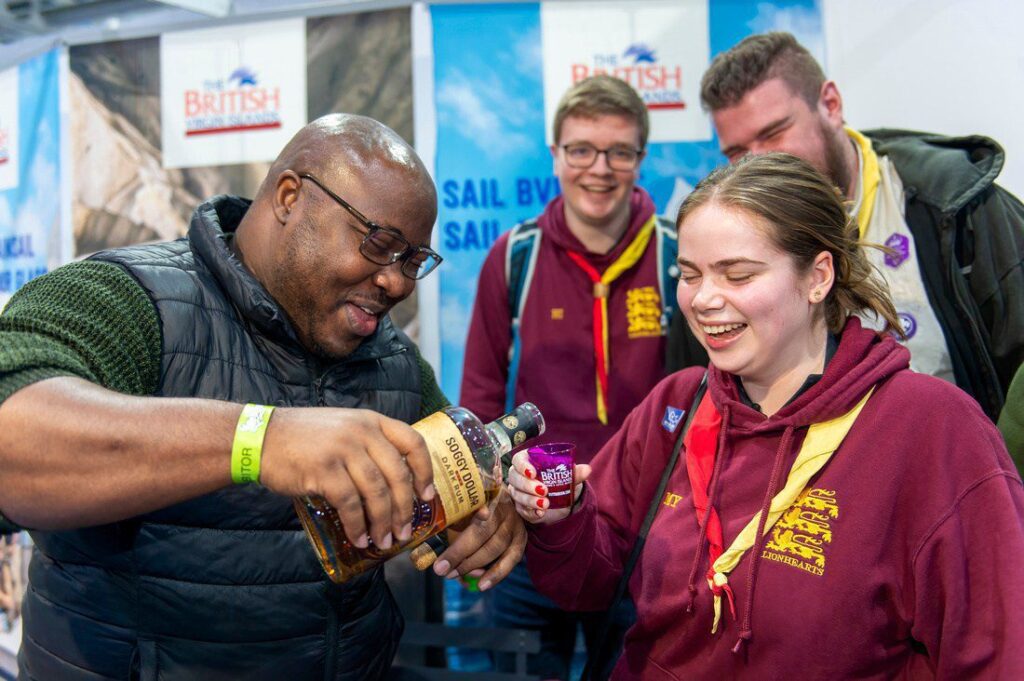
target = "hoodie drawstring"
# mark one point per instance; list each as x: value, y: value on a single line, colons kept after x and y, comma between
x: 745, y: 628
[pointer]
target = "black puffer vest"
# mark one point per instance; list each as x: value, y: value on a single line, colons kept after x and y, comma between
x: 225, y: 586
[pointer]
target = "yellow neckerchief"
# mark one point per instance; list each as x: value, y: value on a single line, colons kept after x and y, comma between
x: 870, y: 178
x: 822, y: 440
x: 602, y: 287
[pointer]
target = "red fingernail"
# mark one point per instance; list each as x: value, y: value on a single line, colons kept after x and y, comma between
x: 540, y: 503
x: 528, y: 474
x: 540, y: 490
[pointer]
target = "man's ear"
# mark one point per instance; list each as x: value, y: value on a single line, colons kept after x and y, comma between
x: 286, y: 193
x: 830, y: 104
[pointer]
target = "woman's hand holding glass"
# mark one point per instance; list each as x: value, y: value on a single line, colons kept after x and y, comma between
x: 530, y: 495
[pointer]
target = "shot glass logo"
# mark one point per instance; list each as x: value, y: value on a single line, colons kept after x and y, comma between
x: 233, y: 104
x: 900, y: 246
x: 557, y: 476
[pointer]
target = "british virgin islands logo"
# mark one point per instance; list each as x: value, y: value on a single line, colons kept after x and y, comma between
x: 233, y: 104
x: 658, y: 83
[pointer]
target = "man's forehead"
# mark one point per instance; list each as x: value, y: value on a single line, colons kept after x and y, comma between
x: 760, y: 101
x: 600, y: 123
x: 767, y: 103
x: 393, y: 199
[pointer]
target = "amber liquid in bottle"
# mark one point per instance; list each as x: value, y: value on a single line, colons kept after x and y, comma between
x: 466, y: 458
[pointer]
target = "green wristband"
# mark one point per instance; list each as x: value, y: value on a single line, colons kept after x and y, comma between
x: 247, y: 449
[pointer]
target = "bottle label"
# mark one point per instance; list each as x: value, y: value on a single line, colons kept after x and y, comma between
x: 456, y: 475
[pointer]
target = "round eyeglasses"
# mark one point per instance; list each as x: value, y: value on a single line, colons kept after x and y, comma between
x: 584, y: 155
x: 383, y: 245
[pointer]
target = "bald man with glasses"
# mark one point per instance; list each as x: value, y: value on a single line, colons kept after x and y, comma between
x: 125, y: 380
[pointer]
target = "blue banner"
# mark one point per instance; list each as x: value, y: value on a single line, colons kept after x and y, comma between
x: 493, y: 167
x: 30, y: 215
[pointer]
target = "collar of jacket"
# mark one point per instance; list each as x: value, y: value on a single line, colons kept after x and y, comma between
x: 946, y: 172
x: 213, y: 222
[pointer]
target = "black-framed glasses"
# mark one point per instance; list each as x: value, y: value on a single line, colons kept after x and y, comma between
x: 383, y: 245
x: 584, y: 155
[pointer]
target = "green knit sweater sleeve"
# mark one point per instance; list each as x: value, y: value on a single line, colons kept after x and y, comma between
x: 87, y: 319
x: 433, y: 399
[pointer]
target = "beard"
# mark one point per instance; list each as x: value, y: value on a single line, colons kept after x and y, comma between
x: 835, y: 165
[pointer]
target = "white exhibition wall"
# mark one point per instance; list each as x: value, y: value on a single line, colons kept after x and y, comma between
x: 948, y: 66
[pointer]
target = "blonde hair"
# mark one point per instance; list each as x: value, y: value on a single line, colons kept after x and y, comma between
x: 602, y: 95
x: 806, y: 216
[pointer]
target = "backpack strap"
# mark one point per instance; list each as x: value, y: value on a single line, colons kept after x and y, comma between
x: 668, y: 270
x: 520, y: 263
x: 594, y: 667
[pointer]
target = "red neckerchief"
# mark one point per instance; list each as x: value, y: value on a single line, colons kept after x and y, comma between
x: 701, y: 443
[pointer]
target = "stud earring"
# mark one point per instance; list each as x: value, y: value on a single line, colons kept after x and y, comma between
x: 817, y: 295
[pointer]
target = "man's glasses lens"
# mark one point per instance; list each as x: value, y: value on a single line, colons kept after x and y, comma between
x: 585, y: 155
x: 382, y: 247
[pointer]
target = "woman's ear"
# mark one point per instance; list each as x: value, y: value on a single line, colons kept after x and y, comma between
x: 822, y: 277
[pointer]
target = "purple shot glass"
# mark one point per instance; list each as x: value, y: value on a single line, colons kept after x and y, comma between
x: 554, y: 464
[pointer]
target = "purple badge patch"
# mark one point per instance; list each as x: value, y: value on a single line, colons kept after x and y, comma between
x: 900, y: 245
x: 909, y: 324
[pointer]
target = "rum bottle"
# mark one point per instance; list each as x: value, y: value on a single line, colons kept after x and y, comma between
x: 466, y: 457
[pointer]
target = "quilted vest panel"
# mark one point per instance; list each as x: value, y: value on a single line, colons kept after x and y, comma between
x: 225, y: 586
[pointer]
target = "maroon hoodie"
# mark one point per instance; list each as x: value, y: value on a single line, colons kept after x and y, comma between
x: 902, y: 561
x: 557, y: 368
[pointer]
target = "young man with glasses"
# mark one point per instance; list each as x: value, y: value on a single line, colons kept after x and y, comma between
x: 122, y: 428
x: 583, y: 316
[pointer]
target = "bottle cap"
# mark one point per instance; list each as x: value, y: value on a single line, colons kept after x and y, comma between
x: 522, y: 423
x: 424, y: 555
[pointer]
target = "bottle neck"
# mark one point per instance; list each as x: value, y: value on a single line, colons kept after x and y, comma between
x: 499, y: 438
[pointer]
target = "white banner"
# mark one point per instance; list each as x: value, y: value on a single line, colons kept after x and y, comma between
x: 233, y: 94
x: 10, y: 97
x: 660, y: 47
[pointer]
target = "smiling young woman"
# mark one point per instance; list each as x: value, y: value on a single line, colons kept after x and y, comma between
x: 836, y: 511
x: 770, y: 266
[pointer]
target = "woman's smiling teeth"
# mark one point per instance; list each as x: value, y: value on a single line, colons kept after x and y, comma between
x: 720, y: 328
